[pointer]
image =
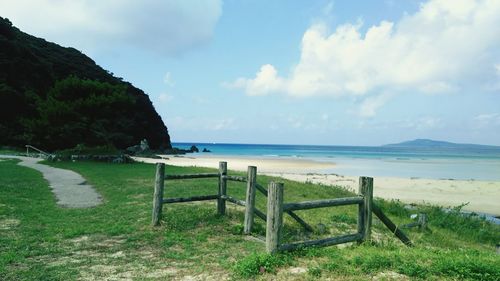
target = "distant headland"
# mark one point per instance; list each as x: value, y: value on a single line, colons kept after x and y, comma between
x: 439, y: 144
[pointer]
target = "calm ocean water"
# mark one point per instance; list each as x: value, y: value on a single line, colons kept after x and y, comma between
x: 419, y: 162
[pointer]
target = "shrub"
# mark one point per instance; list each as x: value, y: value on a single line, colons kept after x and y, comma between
x: 258, y: 263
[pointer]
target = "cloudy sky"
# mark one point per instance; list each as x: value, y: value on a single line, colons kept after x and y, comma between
x: 294, y: 72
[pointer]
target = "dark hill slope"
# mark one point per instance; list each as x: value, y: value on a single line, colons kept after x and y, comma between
x: 105, y: 111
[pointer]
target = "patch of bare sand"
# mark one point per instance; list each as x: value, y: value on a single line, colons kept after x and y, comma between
x: 265, y: 165
x: 100, y: 257
x: 7, y: 224
x: 480, y: 196
x: 390, y: 275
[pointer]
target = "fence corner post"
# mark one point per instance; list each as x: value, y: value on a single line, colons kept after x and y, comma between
x: 250, y: 199
x: 158, y: 193
x: 221, y: 202
x: 274, y: 216
x: 365, y: 209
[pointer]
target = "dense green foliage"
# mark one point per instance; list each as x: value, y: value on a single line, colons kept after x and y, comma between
x: 40, y: 241
x: 55, y: 97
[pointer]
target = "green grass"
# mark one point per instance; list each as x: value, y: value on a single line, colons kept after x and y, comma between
x: 40, y: 241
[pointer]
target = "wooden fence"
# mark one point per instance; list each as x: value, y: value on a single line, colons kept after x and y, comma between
x: 276, y: 207
x: 222, y: 197
x: 364, y: 200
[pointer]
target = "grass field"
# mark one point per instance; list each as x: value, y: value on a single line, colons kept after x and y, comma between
x: 40, y: 241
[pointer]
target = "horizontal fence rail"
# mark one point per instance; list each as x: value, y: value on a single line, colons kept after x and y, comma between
x: 190, y: 199
x: 191, y: 176
x: 322, y: 203
x: 234, y: 200
x: 236, y: 178
x: 322, y: 242
x: 243, y: 203
x: 304, y: 224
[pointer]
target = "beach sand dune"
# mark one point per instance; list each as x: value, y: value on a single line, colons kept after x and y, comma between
x: 480, y: 196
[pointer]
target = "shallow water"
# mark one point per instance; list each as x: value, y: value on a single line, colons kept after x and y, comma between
x: 428, y: 162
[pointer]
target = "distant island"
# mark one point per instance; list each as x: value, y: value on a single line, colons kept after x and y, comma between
x: 421, y: 143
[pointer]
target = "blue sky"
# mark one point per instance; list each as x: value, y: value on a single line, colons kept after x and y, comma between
x: 294, y: 72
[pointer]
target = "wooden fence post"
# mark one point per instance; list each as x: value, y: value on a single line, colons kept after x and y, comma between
x: 365, y: 209
x: 221, y: 203
x: 422, y: 221
x: 274, y: 216
x: 250, y: 199
x: 158, y: 193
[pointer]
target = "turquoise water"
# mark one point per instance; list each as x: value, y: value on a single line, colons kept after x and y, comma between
x: 422, y: 162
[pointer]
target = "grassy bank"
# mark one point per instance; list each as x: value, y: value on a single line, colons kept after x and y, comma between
x: 40, y: 241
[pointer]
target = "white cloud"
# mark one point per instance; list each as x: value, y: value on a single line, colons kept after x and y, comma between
x: 437, y: 87
x: 444, y: 46
x: 202, y: 124
x: 162, y: 26
x: 165, y: 98
x: 222, y: 124
x: 487, y: 119
x: 428, y: 123
x: 167, y: 79
x: 265, y: 81
x: 424, y: 123
x: 371, y: 104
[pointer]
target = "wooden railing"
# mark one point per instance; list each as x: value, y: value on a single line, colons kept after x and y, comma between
x: 276, y: 207
x: 41, y: 153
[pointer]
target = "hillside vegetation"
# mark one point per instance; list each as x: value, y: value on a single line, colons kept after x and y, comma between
x: 40, y: 241
x: 55, y: 98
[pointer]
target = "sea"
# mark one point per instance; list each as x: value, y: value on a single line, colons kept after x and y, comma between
x: 458, y: 163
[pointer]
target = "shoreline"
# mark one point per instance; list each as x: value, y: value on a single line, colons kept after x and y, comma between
x: 480, y: 195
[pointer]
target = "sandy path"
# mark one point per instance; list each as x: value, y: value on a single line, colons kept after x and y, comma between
x: 481, y: 196
x: 70, y: 188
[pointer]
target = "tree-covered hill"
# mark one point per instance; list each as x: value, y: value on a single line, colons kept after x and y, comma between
x: 55, y: 98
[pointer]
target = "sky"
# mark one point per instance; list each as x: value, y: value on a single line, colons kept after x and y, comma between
x: 294, y: 72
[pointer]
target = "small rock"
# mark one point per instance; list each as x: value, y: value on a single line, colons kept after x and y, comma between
x: 144, y: 145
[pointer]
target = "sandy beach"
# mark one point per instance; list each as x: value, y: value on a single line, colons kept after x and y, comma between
x: 481, y: 196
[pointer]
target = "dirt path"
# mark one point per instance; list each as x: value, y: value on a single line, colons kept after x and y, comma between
x: 70, y: 188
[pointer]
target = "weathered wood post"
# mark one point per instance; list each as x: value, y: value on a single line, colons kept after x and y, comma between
x: 422, y: 221
x: 250, y: 199
x: 274, y: 216
x: 158, y: 193
x: 365, y: 209
x: 221, y: 202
